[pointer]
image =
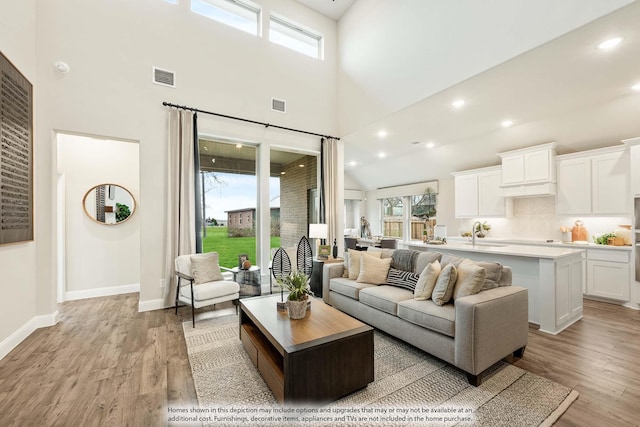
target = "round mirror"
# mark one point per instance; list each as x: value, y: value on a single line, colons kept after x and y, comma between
x: 109, y: 204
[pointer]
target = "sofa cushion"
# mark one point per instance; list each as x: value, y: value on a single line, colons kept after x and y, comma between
x: 470, y: 279
x: 402, y: 279
x: 450, y: 259
x: 427, y: 281
x: 444, y: 285
x: 347, y: 287
x: 384, y: 252
x: 210, y: 290
x: 205, y: 268
x: 429, y: 315
x: 354, y: 262
x: 384, y: 297
x: 507, y: 276
x: 494, y: 273
x: 426, y: 258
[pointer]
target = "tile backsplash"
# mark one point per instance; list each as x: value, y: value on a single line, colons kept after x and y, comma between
x: 535, y: 218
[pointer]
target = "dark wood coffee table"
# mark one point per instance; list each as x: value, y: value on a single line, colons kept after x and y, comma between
x: 318, y: 359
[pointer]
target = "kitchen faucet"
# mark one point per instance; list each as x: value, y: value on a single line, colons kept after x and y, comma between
x: 473, y: 231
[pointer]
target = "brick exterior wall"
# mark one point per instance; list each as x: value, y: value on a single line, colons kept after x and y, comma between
x: 294, y: 189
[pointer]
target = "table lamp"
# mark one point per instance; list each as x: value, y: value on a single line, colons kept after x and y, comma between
x: 318, y: 231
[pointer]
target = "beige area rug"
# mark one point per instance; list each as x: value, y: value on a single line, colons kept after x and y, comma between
x: 410, y: 388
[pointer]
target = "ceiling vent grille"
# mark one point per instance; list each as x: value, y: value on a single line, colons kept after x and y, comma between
x: 164, y: 77
x: 278, y: 105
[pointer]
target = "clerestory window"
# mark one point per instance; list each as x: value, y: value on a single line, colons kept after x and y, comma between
x: 294, y: 36
x: 242, y: 15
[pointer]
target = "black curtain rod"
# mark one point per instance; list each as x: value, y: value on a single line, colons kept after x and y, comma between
x: 197, y: 110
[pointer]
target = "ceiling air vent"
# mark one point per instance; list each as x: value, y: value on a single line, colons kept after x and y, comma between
x: 278, y: 105
x: 164, y: 77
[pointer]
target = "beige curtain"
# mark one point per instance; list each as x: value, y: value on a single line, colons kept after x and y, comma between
x: 180, y: 215
x: 333, y: 183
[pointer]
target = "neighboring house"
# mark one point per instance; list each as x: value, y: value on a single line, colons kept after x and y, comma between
x: 241, y: 222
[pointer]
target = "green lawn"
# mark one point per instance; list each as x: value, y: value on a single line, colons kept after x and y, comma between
x: 229, y: 248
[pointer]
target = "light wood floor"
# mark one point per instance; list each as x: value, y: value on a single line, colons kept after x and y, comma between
x: 106, y: 364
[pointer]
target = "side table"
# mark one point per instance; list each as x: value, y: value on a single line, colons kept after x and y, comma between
x: 316, y: 274
x: 249, y: 281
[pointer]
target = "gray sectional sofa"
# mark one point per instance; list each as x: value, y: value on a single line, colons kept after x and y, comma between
x: 473, y: 333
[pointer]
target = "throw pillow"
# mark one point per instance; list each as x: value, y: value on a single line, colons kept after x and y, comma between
x: 373, y: 270
x: 444, y: 285
x: 205, y: 268
x: 427, y: 281
x: 494, y: 273
x: 354, y: 262
x: 402, y: 279
x: 470, y: 279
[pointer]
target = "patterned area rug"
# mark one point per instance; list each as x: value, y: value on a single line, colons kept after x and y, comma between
x: 410, y: 388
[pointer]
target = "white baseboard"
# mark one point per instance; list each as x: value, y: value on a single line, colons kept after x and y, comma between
x: 25, y: 330
x: 153, y: 304
x: 101, y: 292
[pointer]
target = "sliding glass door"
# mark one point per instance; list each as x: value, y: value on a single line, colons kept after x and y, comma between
x: 228, y: 174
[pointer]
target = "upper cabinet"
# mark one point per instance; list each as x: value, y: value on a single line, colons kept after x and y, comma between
x: 634, y: 159
x: 529, y: 171
x: 477, y: 194
x: 594, y: 182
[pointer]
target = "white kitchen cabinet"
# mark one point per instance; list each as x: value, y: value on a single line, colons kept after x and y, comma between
x: 490, y: 200
x: 594, y: 182
x: 477, y: 194
x: 530, y: 165
x: 466, y: 195
x: 568, y: 290
x: 573, y: 196
x: 513, y: 169
x: 634, y: 153
x: 608, y: 274
x: 610, y: 183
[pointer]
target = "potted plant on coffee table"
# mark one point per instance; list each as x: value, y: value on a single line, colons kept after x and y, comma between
x: 297, y: 284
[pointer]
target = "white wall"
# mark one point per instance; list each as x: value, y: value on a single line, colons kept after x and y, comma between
x: 98, y: 256
x: 111, y: 46
x: 18, y: 261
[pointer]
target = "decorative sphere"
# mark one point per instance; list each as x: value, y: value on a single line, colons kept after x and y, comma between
x: 246, y: 265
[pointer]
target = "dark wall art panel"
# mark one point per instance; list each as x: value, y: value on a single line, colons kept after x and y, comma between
x: 16, y: 155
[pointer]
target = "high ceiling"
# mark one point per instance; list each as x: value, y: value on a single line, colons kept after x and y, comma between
x: 566, y: 90
x: 333, y: 9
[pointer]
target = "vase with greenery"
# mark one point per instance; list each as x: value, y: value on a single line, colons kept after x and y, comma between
x: 297, y: 283
x: 482, y: 229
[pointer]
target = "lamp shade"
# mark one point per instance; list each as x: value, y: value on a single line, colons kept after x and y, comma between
x: 318, y: 231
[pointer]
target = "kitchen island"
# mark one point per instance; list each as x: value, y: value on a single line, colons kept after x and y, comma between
x: 554, y: 276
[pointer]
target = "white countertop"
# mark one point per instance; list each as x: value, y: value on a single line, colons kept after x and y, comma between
x: 496, y: 248
x: 554, y: 244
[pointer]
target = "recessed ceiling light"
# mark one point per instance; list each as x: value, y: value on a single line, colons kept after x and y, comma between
x: 609, y: 44
x: 382, y: 133
x: 301, y: 166
x: 506, y: 123
x: 382, y: 155
x: 352, y: 163
x: 458, y: 103
x: 238, y: 145
x: 430, y: 144
x: 283, y: 173
x: 636, y: 87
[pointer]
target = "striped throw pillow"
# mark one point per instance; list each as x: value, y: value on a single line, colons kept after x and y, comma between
x: 402, y: 279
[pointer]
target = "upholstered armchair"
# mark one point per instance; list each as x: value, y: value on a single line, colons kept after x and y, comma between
x: 200, y: 282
